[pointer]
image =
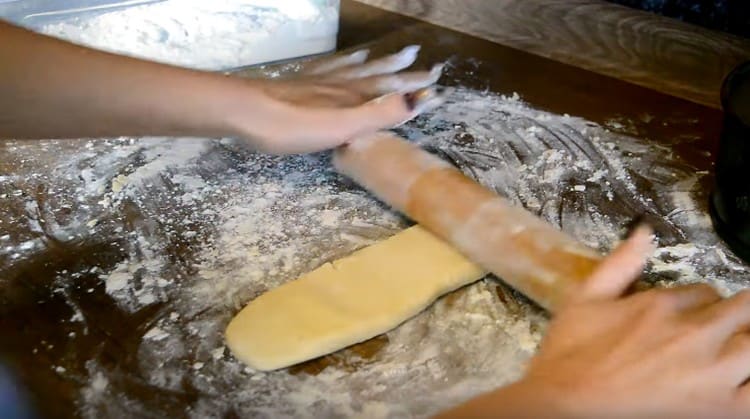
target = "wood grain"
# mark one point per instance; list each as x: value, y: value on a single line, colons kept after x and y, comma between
x: 664, y: 54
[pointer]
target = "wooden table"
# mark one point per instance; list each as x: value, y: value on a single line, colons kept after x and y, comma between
x: 563, y: 87
x: 664, y: 54
x: 608, y: 64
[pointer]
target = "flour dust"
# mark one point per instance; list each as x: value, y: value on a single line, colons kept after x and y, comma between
x: 193, y: 229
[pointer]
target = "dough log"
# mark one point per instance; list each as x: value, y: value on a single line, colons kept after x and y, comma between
x: 348, y: 300
x: 527, y: 253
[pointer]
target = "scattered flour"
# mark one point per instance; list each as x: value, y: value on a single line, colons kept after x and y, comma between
x: 196, y: 228
x: 156, y: 334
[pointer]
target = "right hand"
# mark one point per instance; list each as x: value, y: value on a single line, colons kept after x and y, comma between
x: 669, y: 353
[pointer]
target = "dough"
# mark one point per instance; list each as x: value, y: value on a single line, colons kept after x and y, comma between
x: 349, y: 300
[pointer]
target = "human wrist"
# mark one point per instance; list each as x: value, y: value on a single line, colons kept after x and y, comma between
x: 242, y: 108
x: 530, y: 398
x: 209, y: 104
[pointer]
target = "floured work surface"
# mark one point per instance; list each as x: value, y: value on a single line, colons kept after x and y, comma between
x: 122, y: 260
x: 243, y: 223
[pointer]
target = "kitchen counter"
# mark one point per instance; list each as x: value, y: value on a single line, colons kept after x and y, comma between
x: 643, y: 48
x: 123, y: 259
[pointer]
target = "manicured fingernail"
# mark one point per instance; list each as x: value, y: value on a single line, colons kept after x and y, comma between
x: 361, y: 54
x: 411, y: 101
x: 437, y: 69
x: 640, y: 227
x: 633, y: 225
x: 411, y: 49
x: 425, y: 99
x: 414, y: 100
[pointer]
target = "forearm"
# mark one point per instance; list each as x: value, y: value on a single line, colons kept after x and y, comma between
x: 54, y: 89
x: 516, y: 401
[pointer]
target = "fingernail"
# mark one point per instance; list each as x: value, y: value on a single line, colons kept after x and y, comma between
x: 411, y: 101
x: 417, y: 97
x: 639, y: 226
x: 360, y: 54
x: 633, y: 225
x: 412, y: 49
x: 437, y: 69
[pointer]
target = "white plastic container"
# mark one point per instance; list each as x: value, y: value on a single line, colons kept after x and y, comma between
x: 204, y: 34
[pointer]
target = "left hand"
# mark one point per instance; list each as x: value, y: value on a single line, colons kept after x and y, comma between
x: 90, y: 93
x: 339, y: 99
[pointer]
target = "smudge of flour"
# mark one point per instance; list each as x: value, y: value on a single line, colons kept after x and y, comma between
x: 206, y: 225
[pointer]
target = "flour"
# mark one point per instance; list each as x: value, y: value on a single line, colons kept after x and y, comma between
x: 210, y: 35
x: 156, y: 334
x: 196, y: 228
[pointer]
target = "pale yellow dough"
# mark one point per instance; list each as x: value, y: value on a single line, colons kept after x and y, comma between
x: 348, y: 301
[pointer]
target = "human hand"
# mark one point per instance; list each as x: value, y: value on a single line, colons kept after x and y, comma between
x: 90, y: 93
x: 681, y: 352
x: 337, y: 100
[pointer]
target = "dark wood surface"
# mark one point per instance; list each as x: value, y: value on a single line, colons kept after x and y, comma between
x: 546, y: 84
x: 31, y: 310
x: 642, y: 48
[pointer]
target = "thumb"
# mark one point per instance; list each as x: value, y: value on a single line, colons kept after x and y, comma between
x: 323, y: 128
x: 389, y: 111
x: 620, y: 269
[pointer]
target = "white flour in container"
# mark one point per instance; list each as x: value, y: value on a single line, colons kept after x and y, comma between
x: 208, y: 225
x: 210, y: 35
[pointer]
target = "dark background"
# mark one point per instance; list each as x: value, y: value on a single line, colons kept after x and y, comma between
x: 731, y: 16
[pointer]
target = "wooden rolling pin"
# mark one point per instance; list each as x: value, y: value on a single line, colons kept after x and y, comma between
x: 529, y: 254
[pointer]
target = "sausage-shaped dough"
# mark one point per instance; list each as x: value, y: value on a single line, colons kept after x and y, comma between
x: 529, y: 254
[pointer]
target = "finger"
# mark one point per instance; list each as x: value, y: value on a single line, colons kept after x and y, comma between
x: 618, y: 270
x: 397, y: 83
x: 726, y: 317
x: 324, y: 128
x: 393, y: 110
x: 337, y: 62
x: 734, y: 359
x: 386, y: 65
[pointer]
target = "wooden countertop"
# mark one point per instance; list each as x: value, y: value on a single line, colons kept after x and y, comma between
x: 664, y: 54
x: 544, y: 83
